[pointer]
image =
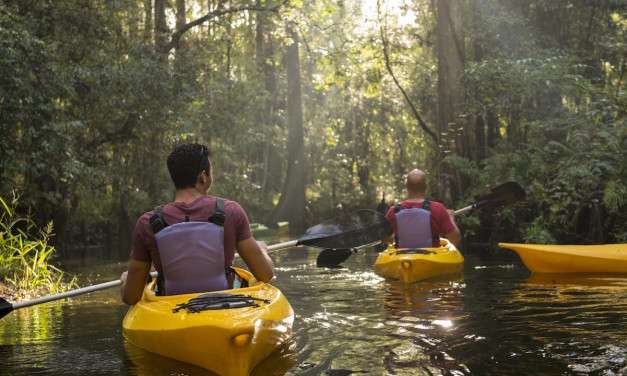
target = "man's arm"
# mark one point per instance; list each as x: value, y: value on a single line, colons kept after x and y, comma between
x: 454, y: 236
x: 255, y: 256
x: 390, y: 216
x: 134, y: 280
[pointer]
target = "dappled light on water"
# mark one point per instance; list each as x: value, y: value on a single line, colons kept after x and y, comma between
x: 495, y: 319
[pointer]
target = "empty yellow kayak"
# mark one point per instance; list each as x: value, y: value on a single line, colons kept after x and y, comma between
x: 227, y: 341
x: 539, y: 258
x: 411, y: 265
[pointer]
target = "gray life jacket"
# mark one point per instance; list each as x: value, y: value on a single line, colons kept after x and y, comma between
x: 191, y: 253
x: 413, y: 226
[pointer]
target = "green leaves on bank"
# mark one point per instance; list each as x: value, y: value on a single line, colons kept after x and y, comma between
x: 26, y: 270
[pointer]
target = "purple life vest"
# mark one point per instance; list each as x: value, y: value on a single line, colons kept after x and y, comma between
x: 413, y: 226
x: 191, y: 253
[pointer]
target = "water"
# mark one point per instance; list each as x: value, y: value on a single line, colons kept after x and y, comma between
x: 495, y: 320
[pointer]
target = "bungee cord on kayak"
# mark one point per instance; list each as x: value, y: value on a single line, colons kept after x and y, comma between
x: 414, y: 252
x: 207, y: 302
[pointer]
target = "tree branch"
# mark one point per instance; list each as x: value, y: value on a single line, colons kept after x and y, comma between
x: 176, y: 36
x: 388, y: 66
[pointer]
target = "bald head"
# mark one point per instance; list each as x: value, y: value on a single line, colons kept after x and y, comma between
x: 416, y: 182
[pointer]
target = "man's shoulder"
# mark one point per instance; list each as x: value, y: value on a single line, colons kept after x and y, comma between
x: 145, y: 217
x: 233, y: 209
x: 231, y: 205
x: 143, y: 223
x: 438, y: 208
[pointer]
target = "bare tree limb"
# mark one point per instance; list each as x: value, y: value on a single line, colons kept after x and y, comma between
x: 414, y: 111
x: 176, y: 36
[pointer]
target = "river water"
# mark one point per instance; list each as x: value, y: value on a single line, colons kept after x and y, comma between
x: 495, y: 320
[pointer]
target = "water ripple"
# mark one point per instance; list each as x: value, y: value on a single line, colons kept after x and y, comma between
x: 495, y: 320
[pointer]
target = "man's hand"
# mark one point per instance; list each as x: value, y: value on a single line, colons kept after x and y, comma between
x: 123, y: 277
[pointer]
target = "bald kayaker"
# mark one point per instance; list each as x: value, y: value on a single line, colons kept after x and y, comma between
x: 418, y: 222
x: 192, y: 241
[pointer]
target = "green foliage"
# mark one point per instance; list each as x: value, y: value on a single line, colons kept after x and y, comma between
x: 537, y: 232
x: 614, y: 195
x: 89, y: 110
x: 26, y: 255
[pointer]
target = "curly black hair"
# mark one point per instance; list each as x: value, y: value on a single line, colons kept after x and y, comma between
x: 185, y: 162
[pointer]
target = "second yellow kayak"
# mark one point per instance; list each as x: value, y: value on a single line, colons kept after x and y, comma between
x: 226, y: 341
x: 411, y: 265
x: 542, y: 258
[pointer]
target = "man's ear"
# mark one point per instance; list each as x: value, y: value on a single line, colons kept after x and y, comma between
x: 202, y: 178
x: 209, y: 179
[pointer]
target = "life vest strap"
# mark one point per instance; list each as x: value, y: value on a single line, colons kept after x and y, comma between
x: 218, y: 217
x: 157, y: 223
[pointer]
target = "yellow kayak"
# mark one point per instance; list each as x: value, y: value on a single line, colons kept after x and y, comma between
x: 228, y: 341
x: 539, y: 258
x: 411, y: 265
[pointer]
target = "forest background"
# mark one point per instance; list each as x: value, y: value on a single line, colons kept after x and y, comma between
x: 311, y: 105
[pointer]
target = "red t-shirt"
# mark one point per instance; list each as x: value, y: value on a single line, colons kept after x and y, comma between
x: 236, y: 227
x: 441, y: 223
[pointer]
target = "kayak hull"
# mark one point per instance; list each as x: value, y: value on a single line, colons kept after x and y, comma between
x: 396, y: 264
x: 539, y: 258
x: 226, y: 341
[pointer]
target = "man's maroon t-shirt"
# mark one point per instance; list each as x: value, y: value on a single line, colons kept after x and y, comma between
x: 441, y: 223
x: 236, y: 227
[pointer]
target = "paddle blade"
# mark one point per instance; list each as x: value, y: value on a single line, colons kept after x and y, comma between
x: 504, y: 194
x: 348, y: 231
x: 332, y: 258
x: 5, y: 308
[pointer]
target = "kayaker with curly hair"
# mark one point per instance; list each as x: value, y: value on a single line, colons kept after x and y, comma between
x: 418, y: 222
x: 192, y: 241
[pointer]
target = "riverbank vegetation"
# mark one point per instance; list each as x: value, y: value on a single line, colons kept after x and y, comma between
x: 310, y: 105
x: 26, y: 269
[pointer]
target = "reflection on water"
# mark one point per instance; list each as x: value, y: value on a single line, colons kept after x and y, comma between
x: 493, y: 320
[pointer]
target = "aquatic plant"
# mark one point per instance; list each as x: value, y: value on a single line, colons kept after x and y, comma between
x: 25, y: 256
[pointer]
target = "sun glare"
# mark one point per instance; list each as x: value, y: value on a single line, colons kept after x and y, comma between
x: 399, y: 9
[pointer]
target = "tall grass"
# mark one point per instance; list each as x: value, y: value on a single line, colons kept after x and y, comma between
x: 25, y: 257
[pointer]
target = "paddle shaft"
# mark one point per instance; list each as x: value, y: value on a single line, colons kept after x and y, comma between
x: 465, y: 209
x: 71, y: 293
x: 279, y: 246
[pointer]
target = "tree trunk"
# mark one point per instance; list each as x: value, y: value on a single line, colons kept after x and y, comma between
x: 292, y: 203
x: 181, y: 50
x: 450, y: 52
x: 132, y: 13
x: 123, y: 234
x: 480, y: 153
x: 180, y: 15
x: 362, y: 152
x: 161, y: 29
x: 148, y: 21
x: 264, y: 52
x: 229, y: 41
x: 210, y: 6
x: 492, y: 129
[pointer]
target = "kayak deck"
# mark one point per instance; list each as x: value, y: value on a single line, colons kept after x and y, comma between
x: 416, y: 265
x: 226, y: 341
x: 541, y: 258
